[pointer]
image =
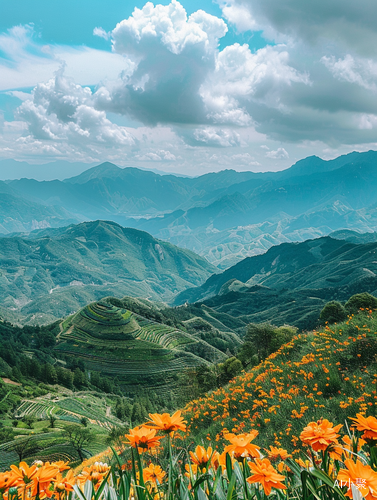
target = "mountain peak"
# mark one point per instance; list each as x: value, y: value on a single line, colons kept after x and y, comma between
x: 106, y: 169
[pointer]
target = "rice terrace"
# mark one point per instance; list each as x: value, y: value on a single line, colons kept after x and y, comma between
x: 122, y: 344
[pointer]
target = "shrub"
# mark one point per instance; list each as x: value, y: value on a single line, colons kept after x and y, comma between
x: 333, y: 312
x: 361, y: 301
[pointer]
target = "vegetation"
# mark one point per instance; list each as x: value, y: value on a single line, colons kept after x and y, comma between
x: 151, y: 462
x: 50, y: 275
x: 329, y: 373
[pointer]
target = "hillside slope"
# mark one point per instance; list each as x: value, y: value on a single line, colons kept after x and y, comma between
x: 55, y: 272
x: 321, y: 263
x: 330, y: 373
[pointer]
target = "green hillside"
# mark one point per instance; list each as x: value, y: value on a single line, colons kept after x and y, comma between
x: 290, y: 283
x: 137, y: 351
x: 328, y: 373
x: 55, y: 272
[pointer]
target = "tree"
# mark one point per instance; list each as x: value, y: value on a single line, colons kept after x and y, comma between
x: 360, y: 301
x: 333, y: 312
x: 28, y: 420
x: 228, y: 370
x: 84, y: 421
x: 78, y: 378
x: 262, y: 339
x: 52, y: 418
x: 78, y: 438
x: 6, y: 434
x: 49, y: 374
x: 24, y: 447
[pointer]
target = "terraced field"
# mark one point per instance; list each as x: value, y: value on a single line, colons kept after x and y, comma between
x: 138, y: 351
x: 68, y: 409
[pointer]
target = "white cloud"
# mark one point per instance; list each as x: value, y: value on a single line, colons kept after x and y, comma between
x: 361, y: 71
x: 158, y: 155
x: 245, y: 159
x: 279, y: 154
x: 242, y: 76
x: 61, y: 110
x: 217, y: 137
x: 239, y: 15
x: 27, y: 63
x: 346, y: 23
x: 98, y: 31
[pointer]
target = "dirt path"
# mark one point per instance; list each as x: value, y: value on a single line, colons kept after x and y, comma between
x: 9, y: 381
x: 61, y: 330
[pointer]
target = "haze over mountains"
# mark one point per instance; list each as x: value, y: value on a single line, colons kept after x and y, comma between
x: 223, y: 216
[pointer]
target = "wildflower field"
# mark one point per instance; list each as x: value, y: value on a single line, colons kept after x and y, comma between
x: 300, y: 425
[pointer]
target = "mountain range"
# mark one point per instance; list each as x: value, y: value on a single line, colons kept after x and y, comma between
x: 222, y: 216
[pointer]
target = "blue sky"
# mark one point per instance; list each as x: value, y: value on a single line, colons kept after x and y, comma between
x: 187, y: 86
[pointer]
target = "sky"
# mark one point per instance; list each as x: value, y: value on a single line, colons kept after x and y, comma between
x: 188, y: 87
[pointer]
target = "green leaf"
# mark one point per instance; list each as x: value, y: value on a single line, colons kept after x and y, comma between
x: 232, y: 484
x: 201, y: 494
x: 78, y: 492
x: 229, y: 468
x: 201, y: 480
x: 102, y: 487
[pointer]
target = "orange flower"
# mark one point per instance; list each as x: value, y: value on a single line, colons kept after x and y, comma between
x: 166, y: 423
x: 143, y: 438
x: 42, y: 480
x: 265, y: 474
x: 353, y: 444
x: 60, y: 464
x: 275, y: 453
x: 153, y: 474
x: 362, y: 476
x: 63, y: 484
x: 90, y: 474
x: 23, y: 474
x: 241, y: 445
x: 366, y: 424
x: 220, y: 460
x: 201, y: 457
x: 7, y: 480
x: 319, y: 435
x: 194, y: 469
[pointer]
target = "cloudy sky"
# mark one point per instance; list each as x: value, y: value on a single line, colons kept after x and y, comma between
x: 191, y: 86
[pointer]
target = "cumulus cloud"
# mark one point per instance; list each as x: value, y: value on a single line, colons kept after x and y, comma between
x: 217, y: 137
x: 24, y: 62
x: 245, y: 159
x: 159, y: 155
x: 241, y: 77
x: 61, y: 110
x: 361, y: 71
x: 174, y: 53
x: 344, y: 22
x: 279, y: 154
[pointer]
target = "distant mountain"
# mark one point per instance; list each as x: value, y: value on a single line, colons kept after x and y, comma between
x: 321, y: 264
x: 57, y: 271
x: 223, y: 216
x: 18, y: 214
x: 60, y: 169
